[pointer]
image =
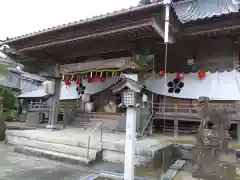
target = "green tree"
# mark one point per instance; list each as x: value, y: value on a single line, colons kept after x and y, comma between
x: 3, y: 72
x: 142, y: 56
x: 9, y: 104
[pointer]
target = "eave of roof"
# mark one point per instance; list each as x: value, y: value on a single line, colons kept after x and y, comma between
x: 186, y: 11
x: 88, y: 20
x: 129, y: 83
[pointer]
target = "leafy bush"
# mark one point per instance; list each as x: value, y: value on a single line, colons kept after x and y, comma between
x: 9, y: 104
x: 10, y: 115
x: 9, y: 100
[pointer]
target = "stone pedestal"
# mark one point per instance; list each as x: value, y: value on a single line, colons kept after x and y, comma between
x: 215, y: 159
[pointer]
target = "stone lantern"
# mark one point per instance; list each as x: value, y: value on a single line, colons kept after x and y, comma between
x: 131, y: 95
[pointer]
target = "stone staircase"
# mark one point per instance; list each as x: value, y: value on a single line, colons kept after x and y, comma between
x: 54, y: 148
x: 109, y: 121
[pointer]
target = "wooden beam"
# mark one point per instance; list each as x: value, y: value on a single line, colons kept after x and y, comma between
x: 145, y: 23
x: 96, y: 64
x: 94, y: 51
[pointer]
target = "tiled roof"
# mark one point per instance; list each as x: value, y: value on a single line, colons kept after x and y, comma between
x: 186, y: 11
x: 8, y: 62
x: 31, y: 76
x: 191, y: 10
x: 94, y: 18
x: 13, y: 66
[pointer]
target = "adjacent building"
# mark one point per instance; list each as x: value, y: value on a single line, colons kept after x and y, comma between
x: 16, y: 79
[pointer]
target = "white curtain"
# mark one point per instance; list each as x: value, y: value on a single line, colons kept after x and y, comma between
x: 216, y: 86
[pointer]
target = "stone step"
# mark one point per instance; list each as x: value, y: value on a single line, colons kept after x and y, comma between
x: 53, y: 155
x: 95, y: 118
x: 97, y: 115
x: 100, y: 113
x: 78, y: 121
x: 83, y: 119
x: 83, y: 126
x: 57, y: 137
x: 50, y: 146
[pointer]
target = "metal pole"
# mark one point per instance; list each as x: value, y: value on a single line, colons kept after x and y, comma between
x: 166, y: 40
x: 101, y: 138
x: 88, y: 146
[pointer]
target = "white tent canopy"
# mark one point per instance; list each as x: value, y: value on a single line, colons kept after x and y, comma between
x: 216, y: 86
x: 69, y: 92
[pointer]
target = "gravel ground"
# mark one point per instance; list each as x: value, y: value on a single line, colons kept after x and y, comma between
x: 14, y: 166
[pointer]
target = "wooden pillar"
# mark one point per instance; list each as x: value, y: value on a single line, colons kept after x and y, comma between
x: 175, y: 127
x: 53, y: 117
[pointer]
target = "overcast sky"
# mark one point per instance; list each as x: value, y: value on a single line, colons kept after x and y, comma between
x: 19, y: 17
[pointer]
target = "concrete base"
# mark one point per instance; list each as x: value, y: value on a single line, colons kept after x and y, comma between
x: 73, y: 143
x: 73, y: 159
x: 52, y: 127
x: 52, y: 146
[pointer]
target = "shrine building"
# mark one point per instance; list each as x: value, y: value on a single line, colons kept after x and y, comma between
x: 126, y: 50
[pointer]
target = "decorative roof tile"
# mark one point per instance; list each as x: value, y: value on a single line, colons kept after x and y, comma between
x: 192, y: 10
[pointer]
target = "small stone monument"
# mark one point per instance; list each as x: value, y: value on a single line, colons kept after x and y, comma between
x: 213, y: 159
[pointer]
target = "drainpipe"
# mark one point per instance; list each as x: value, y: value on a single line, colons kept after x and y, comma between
x: 167, y: 4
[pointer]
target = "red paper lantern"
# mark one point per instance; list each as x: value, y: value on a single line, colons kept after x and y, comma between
x: 102, y: 79
x: 201, y: 75
x: 162, y: 73
x: 68, y: 83
x: 180, y: 76
x: 78, y: 81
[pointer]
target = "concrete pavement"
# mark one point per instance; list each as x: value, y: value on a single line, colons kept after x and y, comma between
x: 14, y: 166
